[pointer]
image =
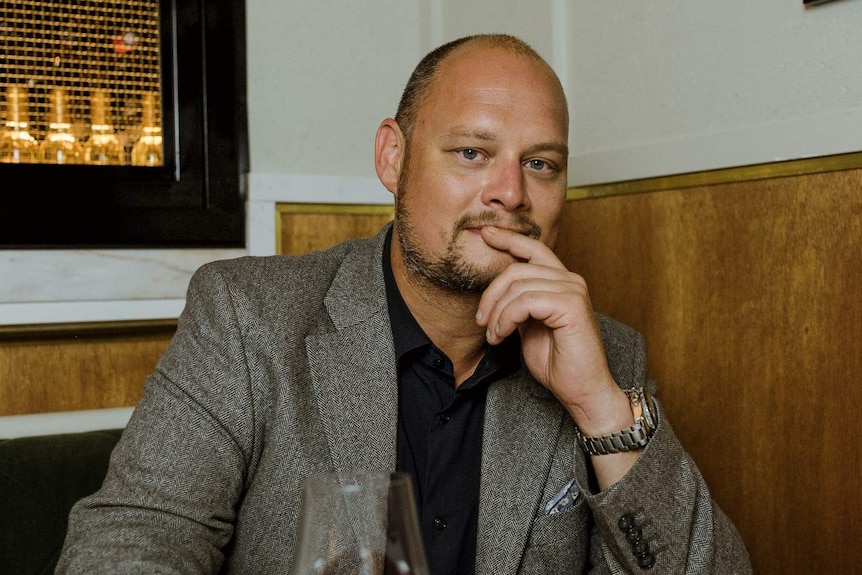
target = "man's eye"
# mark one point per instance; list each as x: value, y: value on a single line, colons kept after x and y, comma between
x: 538, y: 165
x: 469, y: 153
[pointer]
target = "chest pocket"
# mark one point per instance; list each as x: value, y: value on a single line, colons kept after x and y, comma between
x: 558, y: 543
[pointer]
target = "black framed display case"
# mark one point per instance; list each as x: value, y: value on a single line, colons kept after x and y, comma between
x: 186, y: 55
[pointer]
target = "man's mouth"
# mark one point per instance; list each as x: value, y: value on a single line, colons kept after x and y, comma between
x: 478, y: 229
x: 523, y: 224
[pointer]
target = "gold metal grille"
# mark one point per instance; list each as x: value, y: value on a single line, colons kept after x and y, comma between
x: 83, y: 47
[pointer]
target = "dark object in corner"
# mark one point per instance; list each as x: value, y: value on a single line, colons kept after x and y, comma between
x: 40, y: 479
x: 809, y: 3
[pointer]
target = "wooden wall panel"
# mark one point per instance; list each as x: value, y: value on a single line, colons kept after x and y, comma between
x: 76, y: 372
x: 748, y: 295
x: 304, y: 228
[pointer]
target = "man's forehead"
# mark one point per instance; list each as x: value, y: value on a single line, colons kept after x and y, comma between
x: 463, y: 131
x: 482, y: 114
x: 495, y: 72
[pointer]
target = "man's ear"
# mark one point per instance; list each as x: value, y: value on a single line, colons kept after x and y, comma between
x: 389, y: 153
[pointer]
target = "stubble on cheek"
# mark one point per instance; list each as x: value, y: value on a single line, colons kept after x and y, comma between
x: 450, y: 271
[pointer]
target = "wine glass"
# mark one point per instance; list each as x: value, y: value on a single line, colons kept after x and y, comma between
x: 361, y: 523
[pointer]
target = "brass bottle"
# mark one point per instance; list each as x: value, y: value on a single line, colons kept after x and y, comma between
x: 59, y: 145
x: 17, y: 146
x: 147, y: 151
x: 102, y: 148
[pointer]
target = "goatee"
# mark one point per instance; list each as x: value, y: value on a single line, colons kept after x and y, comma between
x: 452, y: 271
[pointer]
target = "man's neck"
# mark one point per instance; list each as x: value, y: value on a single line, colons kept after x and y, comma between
x: 447, y: 318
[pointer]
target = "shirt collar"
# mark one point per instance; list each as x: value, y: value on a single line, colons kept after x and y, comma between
x: 406, y: 333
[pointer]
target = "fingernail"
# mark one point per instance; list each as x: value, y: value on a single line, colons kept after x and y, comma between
x: 488, y: 335
x: 479, y: 315
x: 497, y: 329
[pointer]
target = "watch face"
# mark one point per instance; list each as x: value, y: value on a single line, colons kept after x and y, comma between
x: 642, y: 399
x: 649, y: 411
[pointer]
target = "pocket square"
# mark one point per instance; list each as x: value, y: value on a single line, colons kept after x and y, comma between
x: 563, y: 499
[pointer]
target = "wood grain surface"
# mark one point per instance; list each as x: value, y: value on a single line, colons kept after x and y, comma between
x: 305, y: 228
x: 748, y: 295
x: 72, y: 372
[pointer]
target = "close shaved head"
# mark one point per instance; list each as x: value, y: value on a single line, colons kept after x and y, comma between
x: 427, y: 71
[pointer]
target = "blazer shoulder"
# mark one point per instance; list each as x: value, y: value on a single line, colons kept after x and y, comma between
x: 279, y: 273
x: 262, y: 291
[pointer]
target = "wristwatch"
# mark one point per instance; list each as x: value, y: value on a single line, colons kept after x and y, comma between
x: 635, y: 437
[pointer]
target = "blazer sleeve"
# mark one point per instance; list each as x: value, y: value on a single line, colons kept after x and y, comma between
x: 666, y: 498
x: 664, y: 495
x: 168, y: 502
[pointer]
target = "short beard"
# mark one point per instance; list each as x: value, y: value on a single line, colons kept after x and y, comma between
x: 451, y: 272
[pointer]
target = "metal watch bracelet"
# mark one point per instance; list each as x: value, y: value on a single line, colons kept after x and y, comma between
x: 635, y: 437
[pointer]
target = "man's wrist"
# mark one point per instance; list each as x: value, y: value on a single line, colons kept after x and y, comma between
x: 630, y: 438
x: 604, y: 414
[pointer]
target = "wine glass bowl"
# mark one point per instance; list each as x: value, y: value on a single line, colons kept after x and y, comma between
x: 359, y: 523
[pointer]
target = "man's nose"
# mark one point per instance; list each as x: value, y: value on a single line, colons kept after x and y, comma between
x: 506, y: 188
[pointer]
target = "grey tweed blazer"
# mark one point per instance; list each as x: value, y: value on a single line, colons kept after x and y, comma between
x: 283, y: 367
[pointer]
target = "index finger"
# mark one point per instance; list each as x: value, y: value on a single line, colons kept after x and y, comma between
x: 522, y: 247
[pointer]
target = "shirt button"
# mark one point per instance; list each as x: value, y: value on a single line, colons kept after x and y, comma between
x: 439, y: 524
x: 445, y: 417
x: 438, y: 363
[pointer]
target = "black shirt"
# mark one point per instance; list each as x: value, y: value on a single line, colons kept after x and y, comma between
x: 440, y: 432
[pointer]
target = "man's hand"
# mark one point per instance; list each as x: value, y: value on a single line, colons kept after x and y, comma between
x: 550, y: 306
x: 560, y: 339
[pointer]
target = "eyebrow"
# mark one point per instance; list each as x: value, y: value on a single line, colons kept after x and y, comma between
x: 561, y: 149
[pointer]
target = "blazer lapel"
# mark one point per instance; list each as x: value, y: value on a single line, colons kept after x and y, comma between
x: 353, y: 366
x: 522, y: 426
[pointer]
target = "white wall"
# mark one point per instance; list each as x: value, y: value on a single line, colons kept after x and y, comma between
x: 323, y: 74
x: 318, y: 92
x: 655, y: 88
x: 658, y: 88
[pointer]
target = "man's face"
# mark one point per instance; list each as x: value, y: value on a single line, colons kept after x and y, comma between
x: 489, y: 147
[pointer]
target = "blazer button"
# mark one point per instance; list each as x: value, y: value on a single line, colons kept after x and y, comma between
x: 626, y: 522
x: 640, y: 548
x: 646, y: 561
x: 634, y: 535
x: 439, y: 524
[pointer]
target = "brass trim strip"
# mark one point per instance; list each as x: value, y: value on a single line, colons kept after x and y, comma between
x: 89, y: 330
x: 353, y: 209
x: 817, y: 165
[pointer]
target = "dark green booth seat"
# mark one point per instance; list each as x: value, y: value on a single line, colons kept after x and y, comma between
x: 40, y: 479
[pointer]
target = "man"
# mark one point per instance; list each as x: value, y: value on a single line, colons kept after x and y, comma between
x: 454, y: 345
